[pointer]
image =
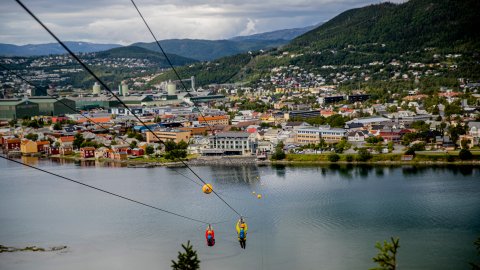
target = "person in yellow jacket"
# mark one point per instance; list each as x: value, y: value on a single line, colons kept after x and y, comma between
x: 242, y: 229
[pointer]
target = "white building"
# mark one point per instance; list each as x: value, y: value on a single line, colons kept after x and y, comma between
x: 231, y: 143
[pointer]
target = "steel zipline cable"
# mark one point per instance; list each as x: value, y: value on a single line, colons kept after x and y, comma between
x: 107, y: 192
x: 178, y: 76
x: 116, y: 97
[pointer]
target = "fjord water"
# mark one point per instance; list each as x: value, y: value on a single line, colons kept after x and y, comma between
x: 309, y: 217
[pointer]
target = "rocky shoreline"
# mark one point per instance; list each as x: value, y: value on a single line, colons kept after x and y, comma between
x: 31, y: 248
x: 240, y: 161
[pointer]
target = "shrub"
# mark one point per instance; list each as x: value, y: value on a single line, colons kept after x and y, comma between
x: 450, y: 158
x: 149, y: 150
x: 363, y: 155
x: 349, y: 158
x: 410, y: 151
x: 465, y: 154
x: 333, y: 157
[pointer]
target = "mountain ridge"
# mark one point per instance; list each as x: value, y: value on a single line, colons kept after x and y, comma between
x: 198, y: 49
x: 52, y: 48
x: 142, y: 53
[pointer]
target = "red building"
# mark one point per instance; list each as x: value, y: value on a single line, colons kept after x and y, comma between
x: 87, y: 152
x: 59, y: 119
x: 138, y: 152
x: 12, y: 144
x: 49, y: 150
x: 121, y: 148
x: 393, y: 135
x: 41, y: 146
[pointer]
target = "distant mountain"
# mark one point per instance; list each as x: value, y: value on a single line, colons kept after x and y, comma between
x: 207, y: 50
x: 199, y: 49
x: 284, y: 34
x: 142, y: 53
x: 52, y: 48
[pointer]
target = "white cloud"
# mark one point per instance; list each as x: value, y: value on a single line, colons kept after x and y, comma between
x: 249, y: 28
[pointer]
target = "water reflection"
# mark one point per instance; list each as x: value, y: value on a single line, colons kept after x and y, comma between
x: 248, y: 174
x: 464, y: 170
x: 280, y: 170
x: 364, y: 170
x: 88, y: 163
x: 30, y: 160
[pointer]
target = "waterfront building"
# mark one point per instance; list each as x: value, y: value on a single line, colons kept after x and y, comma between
x: 102, y: 152
x: 42, y: 146
x: 87, y: 152
x: 11, y: 144
x: 313, y: 135
x: 230, y: 143
x: 66, y: 149
x: 138, y: 152
x: 28, y: 147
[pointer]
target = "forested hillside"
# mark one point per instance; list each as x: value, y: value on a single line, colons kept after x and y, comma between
x: 415, y: 31
x: 414, y: 25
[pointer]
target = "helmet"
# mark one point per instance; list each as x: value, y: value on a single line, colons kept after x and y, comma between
x: 242, y: 225
x: 209, y: 232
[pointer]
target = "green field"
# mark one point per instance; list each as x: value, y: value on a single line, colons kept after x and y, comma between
x: 424, y: 156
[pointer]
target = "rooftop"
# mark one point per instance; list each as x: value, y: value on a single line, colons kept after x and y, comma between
x: 232, y: 135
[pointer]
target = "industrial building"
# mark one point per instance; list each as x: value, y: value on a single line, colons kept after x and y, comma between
x: 357, y: 98
x: 330, y: 99
x: 54, y: 107
x: 301, y: 114
x: 88, y: 103
x: 17, y: 109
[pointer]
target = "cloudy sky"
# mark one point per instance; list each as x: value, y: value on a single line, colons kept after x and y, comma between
x: 116, y: 21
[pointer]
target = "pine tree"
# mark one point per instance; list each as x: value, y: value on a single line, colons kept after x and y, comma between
x: 187, y: 260
x: 476, y: 266
x: 386, y: 257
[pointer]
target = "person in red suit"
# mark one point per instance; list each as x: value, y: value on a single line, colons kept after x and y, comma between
x: 210, y: 236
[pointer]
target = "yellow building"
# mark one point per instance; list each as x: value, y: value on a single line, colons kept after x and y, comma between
x: 214, y: 120
x: 175, y: 135
x: 28, y: 147
x: 314, y: 135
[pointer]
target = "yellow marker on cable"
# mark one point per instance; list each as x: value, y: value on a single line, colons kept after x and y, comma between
x: 207, y: 189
